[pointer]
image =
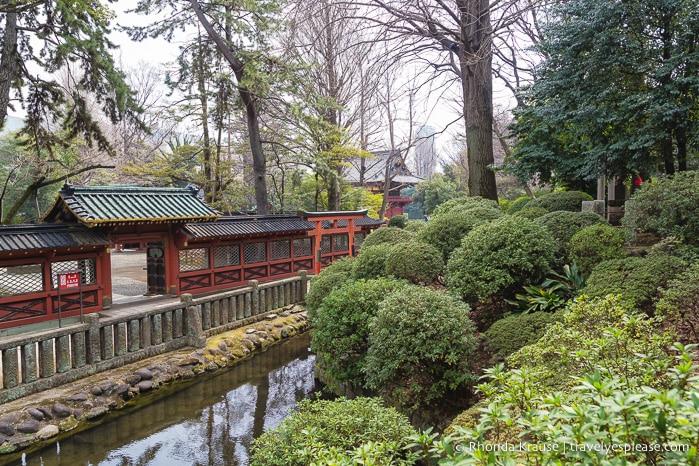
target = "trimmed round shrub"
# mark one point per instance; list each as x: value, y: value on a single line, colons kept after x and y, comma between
x: 499, y: 258
x: 638, y: 280
x: 419, y: 263
x: 510, y: 334
x: 329, y: 278
x: 532, y: 213
x: 415, y: 226
x: 398, y: 221
x: 335, y: 432
x: 667, y: 207
x: 445, y: 231
x: 561, y: 200
x: 679, y: 304
x: 563, y: 224
x: 464, y: 203
x: 390, y: 235
x: 341, y: 328
x: 420, y: 343
x: 594, y: 244
x: 518, y: 204
x: 371, y: 261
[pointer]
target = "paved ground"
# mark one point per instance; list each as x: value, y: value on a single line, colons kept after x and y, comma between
x: 128, y: 274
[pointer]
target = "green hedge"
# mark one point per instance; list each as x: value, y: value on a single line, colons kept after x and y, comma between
x: 561, y: 200
x: 510, y: 334
x: 668, y: 207
x: 446, y: 230
x: 563, y: 224
x: 419, y: 263
x: 420, y: 343
x: 596, y: 243
x: 338, y: 432
x: 329, y: 278
x: 389, y: 235
x: 341, y: 328
x: 499, y: 258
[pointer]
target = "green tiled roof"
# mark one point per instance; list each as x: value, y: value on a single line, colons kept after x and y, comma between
x: 118, y: 205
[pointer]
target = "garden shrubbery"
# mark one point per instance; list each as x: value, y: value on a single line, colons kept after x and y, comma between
x: 341, y: 327
x: 388, y: 235
x: 420, y: 344
x: 419, y: 263
x: 561, y: 200
x: 596, y: 243
x: 446, y: 230
x: 638, y: 280
x: 499, y: 258
x: 518, y: 204
x: 679, y: 304
x: 331, y: 277
x: 563, y: 224
x: 667, y: 207
x: 597, y: 334
x: 532, y: 213
x: 415, y: 226
x: 338, y: 432
x: 398, y: 221
x: 510, y: 334
x: 371, y: 261
x: 465, y: 203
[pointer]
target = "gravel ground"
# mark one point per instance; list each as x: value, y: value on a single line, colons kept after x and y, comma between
x: 128, y: 273
x: 125, y: 286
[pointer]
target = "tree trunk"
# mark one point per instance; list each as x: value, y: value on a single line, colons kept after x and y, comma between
x: 475, y: 56
x: 681, y: 136
x: 8, y: 63
x: 259, y: 163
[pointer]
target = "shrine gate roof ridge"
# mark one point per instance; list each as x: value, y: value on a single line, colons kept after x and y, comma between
x: 122, y: 204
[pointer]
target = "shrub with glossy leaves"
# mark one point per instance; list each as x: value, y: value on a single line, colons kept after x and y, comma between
x: 338, y: 432
x: 445, y: 231
x: 499, y: 258
x: 563, y: 224
x: 638, y: 280
x: 341, y: 328
x: 596, y: 243
x: 596, y: 334
x: 420, y: 343
x: 510, y: 334
x: 329, y: 278
x: 668, y: 207
x: 606, y: 421
x: 371, y: 261
x: 419, y: 263
x: 388, y: 235
x: 561, y: 200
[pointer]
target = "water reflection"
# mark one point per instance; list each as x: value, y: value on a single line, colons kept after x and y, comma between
x: 210, y: 423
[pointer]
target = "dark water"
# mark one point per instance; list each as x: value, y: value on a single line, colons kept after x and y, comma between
x: 209, y: 423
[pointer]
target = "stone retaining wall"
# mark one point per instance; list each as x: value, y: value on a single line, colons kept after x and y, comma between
x: 42, y: 360
x: 32, y: 422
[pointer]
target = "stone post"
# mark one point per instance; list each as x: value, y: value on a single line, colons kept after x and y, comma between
x: 195, y: 331
x: 254, y: 284
x: 304, y: 285
x: 93, y: 339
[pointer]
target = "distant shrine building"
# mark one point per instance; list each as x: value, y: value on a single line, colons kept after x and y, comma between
x: 190, y: 248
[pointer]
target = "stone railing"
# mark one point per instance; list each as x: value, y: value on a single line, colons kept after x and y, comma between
x: 42, y: 360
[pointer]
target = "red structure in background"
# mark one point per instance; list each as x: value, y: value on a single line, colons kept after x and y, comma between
x: 190, y: 248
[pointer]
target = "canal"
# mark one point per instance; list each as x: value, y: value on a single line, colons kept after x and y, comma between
x: 211, y: 422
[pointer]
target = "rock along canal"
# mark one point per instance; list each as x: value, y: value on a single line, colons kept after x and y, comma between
x: 211, y: 422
